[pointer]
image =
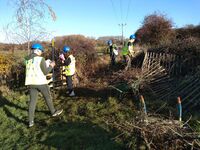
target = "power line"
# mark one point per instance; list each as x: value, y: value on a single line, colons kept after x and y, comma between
x: 122, y: 24
x: 128, y: 10
x: 114, y: 10
x: 121, y: 10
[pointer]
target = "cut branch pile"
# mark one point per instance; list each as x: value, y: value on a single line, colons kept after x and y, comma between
x: 157, y: 133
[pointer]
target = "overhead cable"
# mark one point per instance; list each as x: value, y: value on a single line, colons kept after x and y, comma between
x: 114, y: 10
x: 129, y: 3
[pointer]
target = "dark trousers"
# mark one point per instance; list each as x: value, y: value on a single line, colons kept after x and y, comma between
x: 34, y: 90
x: 69, y: 83
x: 113, y: 59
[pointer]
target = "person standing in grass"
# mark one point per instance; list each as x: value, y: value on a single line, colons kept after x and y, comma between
x: 36, y: 71
x: 69, y: 70
x: 113, y: 51
x: 128, y: 51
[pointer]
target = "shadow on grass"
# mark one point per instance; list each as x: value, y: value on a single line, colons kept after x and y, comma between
x: 99, y: 93
x: 5, y: 103
x: 88, y: 93
x: 11, y: 115
x: 78, y: 136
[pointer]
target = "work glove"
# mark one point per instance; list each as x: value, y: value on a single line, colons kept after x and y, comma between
x: 52, y: 64
x: 62, y: 57
x: 48, y: 61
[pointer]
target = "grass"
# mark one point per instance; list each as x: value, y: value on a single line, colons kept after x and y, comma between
x: 81, y: 126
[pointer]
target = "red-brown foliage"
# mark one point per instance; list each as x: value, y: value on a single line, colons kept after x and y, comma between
x: 156, y: 29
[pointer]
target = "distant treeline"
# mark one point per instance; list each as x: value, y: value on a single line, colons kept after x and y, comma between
x: 149, y: 34
x: 12, y: 47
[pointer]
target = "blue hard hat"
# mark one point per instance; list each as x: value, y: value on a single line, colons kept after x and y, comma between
x: 109, y: 42
x: 66, y: 49
x: 132, y: 36
x: 37, y: 46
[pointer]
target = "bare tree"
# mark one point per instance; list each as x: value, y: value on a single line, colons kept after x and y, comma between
x: 29, y: 20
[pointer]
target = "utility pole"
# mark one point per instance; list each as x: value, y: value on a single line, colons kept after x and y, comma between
x: 122, y: 27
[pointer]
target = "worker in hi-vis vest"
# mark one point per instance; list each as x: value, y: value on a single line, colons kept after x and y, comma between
x: 113, y: 51
x: 69, y: 68
x: 128, y: 51
x: 36, y: 71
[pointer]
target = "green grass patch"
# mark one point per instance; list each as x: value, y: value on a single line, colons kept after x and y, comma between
x: 81, y: 126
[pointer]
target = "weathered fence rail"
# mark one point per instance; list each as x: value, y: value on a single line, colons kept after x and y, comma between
x: 160, y: 71
x: 175, y: 65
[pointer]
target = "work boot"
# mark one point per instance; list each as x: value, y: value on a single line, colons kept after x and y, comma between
x: 72, y: 94
x: 67, y: 92
x: 57, y: 113
x: 31, y: 124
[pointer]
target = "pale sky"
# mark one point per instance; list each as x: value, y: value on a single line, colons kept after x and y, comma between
x: 94, y: 18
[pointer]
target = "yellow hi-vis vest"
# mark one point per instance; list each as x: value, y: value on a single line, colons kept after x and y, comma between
x: 125, y: 49
x: 34, y: 74
x: 70, y: 69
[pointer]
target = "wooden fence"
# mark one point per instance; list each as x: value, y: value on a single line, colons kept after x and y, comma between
x: 175, y: 65
x: 160, y: 72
